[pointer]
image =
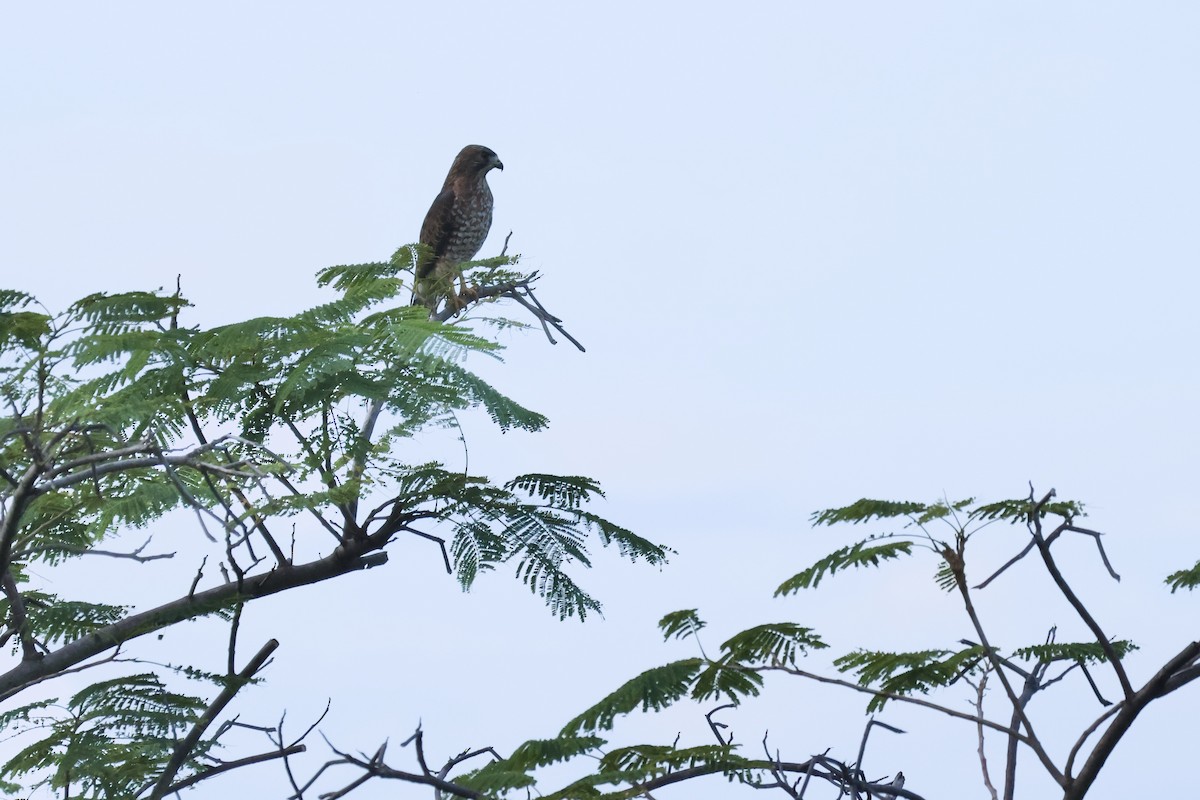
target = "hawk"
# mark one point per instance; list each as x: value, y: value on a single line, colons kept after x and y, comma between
x: 455, y: 226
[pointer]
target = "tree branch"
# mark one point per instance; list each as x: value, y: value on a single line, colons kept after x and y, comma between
x: 1128, y: 711
x: 899, y: 698
x: 348, y: 557
x: 232, y: 765
x: 1065, y: 589
x: 980, y: 689
x: 520, y: 291
x: 20, y: 620
x: 955, y: 561
x: 63, y: 547
x: 184, y: 748
x: 718, y: 768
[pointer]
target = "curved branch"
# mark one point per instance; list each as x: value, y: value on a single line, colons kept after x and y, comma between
x: 1064, y: 588
x: 348, y: 557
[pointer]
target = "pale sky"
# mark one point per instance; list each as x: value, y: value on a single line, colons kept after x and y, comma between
x: 816, y: 252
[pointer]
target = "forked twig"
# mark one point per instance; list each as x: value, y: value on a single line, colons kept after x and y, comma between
x: 521, y: 291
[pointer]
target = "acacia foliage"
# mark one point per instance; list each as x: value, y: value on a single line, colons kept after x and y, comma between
x: 939, y: 678
x: 284, y: 437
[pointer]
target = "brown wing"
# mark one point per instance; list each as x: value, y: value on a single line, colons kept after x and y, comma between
x: 436, y: 230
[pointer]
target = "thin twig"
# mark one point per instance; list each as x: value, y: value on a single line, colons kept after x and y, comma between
x: 62, y: 547
x: 980, y: 689
x: 520, y: 291
x: 716, y: 726
x: 862, y: 747
x: 231, y: 765
x: 441, y: 543
x: 899, y: 698
x: 1086, y: 734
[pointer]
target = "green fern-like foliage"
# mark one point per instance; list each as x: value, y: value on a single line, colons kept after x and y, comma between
x: 860, y: 554
x: 116, y: 735
x: 866, y: 510
x: 942, y: 526
x: 681, y: 624
x: 514, y: 773
x: 537, y: 753
x: 653, y: 690
x: 52, y: 620
x: 1184, y: 578
x: 725, y: 680
x: 908, y: 673
x: 941, y: 530
x: 649, y: 760
x: 1020, y: 510
x: 733, y: 676
x: 276, y: 434
x: 628, y: 767
x: 1079, y: 652
x: 773, y: 643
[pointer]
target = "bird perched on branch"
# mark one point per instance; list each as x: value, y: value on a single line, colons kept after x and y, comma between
x: 455, y: 227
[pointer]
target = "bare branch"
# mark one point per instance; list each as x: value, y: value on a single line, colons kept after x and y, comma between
x: 1091, y: 682
x: 781, y: 780
x: 19, y: 619
x: 63, y: 547
x: 900, y: 698
x: 184, y: 748
x: 108, y: 659
x: 234, y: 624
x: 1086, y: 734
x: 441, y: 543
x: 1024, y: 552
x: 716, y: 727
x: 419, y: 737
x: 1127, y: 712
x: 1065, y: 589
x: 466, y: 755
x: 348, y: 557
x: 311, y: 728
x: 196, y: 581
x: 520, y: 291
x: 980, y: 689
x: 1099, y: 546
x: 955, y: 562
x: 375, y: 768
x: 236, y: 764
x: 277, y: 740
x: 862, y: 747
x: 770, y: 766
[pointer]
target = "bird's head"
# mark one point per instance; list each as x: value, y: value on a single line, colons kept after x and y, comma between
x: 475, y: 159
